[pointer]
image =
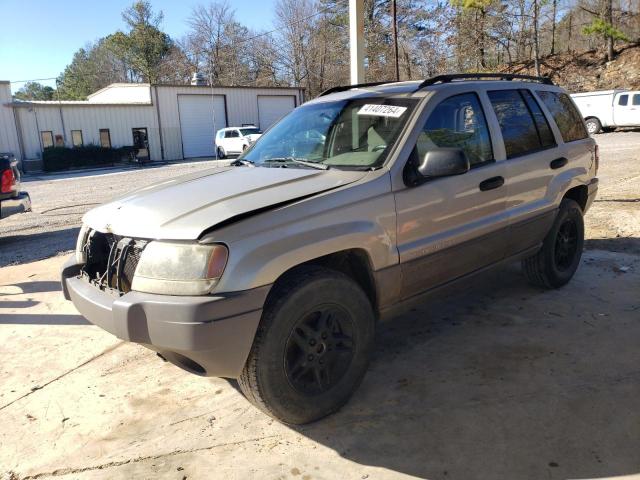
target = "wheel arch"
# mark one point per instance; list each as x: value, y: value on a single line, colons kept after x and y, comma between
x: 353, y: 262
x: 579, y: 194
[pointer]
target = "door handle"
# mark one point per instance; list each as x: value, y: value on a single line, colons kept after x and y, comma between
x: 558, y: 163
x: 491, y: 183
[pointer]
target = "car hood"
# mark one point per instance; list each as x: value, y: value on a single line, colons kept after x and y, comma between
x: 182, y: 208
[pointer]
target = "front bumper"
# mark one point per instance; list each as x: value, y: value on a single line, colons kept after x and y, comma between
x: 19, y: 204
x: 592, y: 191
x: 208, y: 335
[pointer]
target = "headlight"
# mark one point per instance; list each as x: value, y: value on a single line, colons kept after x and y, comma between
x: 173, y: 268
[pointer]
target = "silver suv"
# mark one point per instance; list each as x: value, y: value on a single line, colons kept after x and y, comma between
x: 277, y: 269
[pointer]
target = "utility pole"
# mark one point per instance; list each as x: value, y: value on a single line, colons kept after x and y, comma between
x: 395, y: 38
x: 356, y: 40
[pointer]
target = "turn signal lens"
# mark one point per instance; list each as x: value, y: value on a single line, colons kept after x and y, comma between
x: 8, y: 181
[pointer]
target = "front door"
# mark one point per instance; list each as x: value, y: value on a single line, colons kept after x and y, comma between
x: 451, y: 226
x: 141, y: 143
x: 626, y: 109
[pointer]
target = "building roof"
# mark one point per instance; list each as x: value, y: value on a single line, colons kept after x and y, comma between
x: 81, y: 103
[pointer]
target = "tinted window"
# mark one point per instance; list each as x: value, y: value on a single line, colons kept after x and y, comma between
x: 623, y: 100
x: 544, y: 131
x: 567, y: 118
x: 636, y: 99
x: 518, y: 127
x: 458, y: 122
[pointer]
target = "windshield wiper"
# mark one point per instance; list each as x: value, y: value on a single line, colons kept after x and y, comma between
x: 238, y: 162
x: 300, y: 161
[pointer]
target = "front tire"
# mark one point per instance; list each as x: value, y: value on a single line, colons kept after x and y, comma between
x: 312, y: 347
x: 593, y: 125
x: 558, y: 259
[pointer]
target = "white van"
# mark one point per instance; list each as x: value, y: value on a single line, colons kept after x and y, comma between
x: 609, y: 109
x: 235, y: 140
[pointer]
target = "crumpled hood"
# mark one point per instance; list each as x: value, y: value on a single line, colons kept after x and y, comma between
x: 181, y: 209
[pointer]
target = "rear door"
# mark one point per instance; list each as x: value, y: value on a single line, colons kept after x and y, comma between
x: 626, y: 109
x: 451, y: 226
x: 530, y: 153
x: 538, y: 178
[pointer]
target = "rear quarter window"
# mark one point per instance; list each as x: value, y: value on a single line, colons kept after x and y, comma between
x: 565, y: 114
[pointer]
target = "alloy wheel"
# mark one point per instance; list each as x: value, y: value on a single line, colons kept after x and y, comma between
x: 319, y: 350
x: 566, y: 244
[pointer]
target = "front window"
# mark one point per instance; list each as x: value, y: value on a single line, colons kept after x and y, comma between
x: 458, y: 122
x: 348, y: 133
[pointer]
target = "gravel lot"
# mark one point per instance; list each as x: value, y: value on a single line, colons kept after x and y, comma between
x: 60, y: 200
x: 489, y: 379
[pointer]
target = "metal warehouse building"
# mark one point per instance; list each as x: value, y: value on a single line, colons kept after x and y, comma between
x: 175, y: 121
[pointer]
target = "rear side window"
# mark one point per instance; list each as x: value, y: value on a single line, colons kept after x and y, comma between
x: 518, y: 127
x: 564, y: 113
x: 458, y: 122
x: 623, y: 100
x: 636, y: 99
x: 544, y: 130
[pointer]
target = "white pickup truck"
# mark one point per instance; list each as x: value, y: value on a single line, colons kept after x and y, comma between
x: 608, y: 109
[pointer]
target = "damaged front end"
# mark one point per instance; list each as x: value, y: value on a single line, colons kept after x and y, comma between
x: 109, y: 261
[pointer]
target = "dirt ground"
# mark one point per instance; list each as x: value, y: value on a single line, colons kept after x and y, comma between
x: 489, y: 379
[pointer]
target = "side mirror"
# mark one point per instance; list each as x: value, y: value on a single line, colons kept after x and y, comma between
x: 443, y: 162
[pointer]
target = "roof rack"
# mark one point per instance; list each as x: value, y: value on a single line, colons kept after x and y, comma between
x: 344, y: 88
x: 480, y: 76
x: 446, y: 79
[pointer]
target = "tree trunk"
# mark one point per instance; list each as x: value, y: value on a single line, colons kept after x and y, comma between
x: 553, y: 27
x: 536, y: 51
x: 608, y: 17
x: 570, y: 29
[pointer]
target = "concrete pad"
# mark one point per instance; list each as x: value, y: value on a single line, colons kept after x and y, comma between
x: 490, y: 379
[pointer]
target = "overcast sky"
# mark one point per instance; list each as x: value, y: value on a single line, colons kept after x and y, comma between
x: 38, y: 38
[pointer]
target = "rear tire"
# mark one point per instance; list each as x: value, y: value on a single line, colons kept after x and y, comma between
x: 593, y: 125
x: 221, y: 153
x: 312, y: 347
x: 558, y: 259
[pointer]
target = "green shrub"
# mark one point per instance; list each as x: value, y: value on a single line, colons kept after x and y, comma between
x: 63, y: 158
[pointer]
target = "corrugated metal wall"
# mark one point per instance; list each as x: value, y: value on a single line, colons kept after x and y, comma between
x: 8, y: 133
x: 89, y: 119
x: 242, y: 108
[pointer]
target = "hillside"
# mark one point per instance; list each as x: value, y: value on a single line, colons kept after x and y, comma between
x: 587, y: 71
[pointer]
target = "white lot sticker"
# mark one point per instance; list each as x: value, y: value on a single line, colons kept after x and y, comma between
x: 382, y: 110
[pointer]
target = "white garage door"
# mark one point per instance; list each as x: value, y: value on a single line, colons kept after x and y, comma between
x: 197, y: 116
x: 273, y: 108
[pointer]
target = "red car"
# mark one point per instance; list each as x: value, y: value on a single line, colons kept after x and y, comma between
x: 12, y: 200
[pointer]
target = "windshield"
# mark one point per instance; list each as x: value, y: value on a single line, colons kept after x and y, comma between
x: 249, y: 131
x: 347, y: 133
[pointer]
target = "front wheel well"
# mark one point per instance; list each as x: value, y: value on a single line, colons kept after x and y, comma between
x: 354, y: 263
x: 579, y: 194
